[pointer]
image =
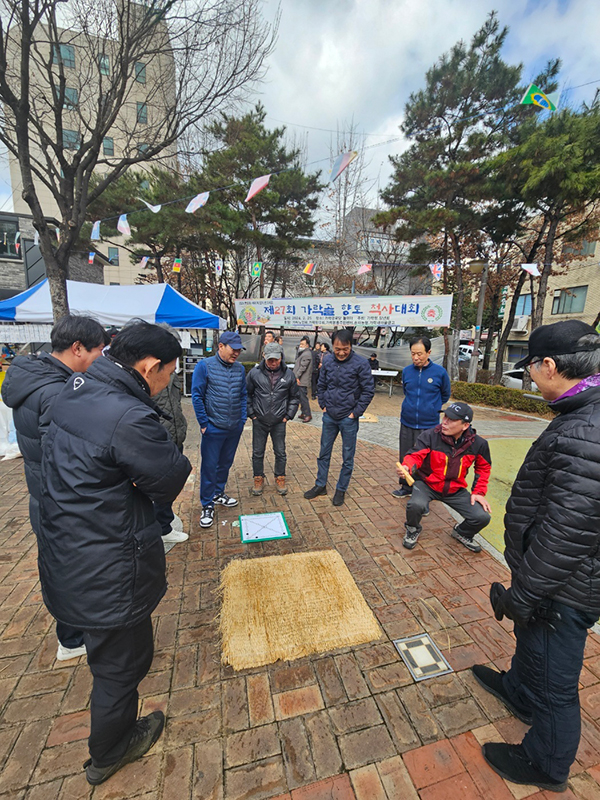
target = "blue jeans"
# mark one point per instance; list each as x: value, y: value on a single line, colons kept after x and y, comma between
x: 218, y: 451
x: 331, y: 427
x: 543, y: 678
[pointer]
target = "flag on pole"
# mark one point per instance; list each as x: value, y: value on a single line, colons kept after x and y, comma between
x: 365, y: 268
x: 218, y: 266
x: 309, y: 269
x: 123, y: 225
x: 340, y: 164
x: 256, y: 269
x: 154, y: 209
x: 95, y: 231
x: 535, y: 97
x: 532, y: 269
x: 143, y: 262
x: 436, y: 271
x: 91, y: 255
x: 197, y: 202
x: 258, y: 184
x: 177, y: 265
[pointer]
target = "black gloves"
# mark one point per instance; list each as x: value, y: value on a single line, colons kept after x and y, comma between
x: 504, y: 606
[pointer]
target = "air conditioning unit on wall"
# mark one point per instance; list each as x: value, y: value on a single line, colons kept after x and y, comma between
x: 520, y: 324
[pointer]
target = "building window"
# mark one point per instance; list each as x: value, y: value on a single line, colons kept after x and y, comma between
x: 143, y: 149
x: 114, y: 283
x: 140, y: 72
x: 142, y: 113
x: 64, y: 54
x: 113, y: 256
x: 108, y: 146
x: 8, y: 234
x: 71, y: 98
x: 569, y: 301
x: 523, y: 306
x: 581, y: 249
x: 71, y: 139
x: 104, y: 64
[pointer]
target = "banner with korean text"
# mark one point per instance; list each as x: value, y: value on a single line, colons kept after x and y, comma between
x: 431, y: 311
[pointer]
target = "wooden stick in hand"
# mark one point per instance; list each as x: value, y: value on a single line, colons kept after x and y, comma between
x: 407, y: 476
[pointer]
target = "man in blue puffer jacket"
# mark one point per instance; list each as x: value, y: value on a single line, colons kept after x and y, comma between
x: 220, y: 399
x: 345, y: 389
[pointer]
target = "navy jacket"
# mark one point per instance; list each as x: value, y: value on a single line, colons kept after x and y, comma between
x: 219, y: 393
x: 425, y: 392
x: 30, y: 388
x: 345, y: 387
x: 106, y: 459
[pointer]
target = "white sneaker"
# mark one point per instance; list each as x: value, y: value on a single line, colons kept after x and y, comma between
x: 177, y: 524
x: 66, y: 653
x: 224, y: 500
x: 208, y: 516
x: 175, y: 536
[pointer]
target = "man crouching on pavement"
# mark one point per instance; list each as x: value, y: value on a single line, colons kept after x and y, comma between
x: 441, y: 459
x: 102, y: 563
x: 552, y: 539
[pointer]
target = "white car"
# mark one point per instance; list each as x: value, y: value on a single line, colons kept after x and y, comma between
x: 513, y: 379
x: 465, y: 351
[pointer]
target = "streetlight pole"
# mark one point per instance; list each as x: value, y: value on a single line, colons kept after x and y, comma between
x: 477, y: 267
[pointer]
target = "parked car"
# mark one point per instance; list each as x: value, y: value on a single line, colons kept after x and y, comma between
x: 465, y: 351
x: 513, y: 379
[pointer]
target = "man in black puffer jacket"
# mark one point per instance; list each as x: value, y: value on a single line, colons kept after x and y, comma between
x: 30, y: 388
x: 102, y: 564
x: 273, y: 399
x: 553, y: 550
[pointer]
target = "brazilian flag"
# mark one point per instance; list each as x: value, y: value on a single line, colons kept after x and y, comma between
x: 535, y: 97
x: 256, y: 269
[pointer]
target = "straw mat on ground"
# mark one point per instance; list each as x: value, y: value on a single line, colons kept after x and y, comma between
x: 287, y: 607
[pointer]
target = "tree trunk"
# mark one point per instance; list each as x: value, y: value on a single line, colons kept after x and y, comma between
x: 495, y: 305
x: 453, y: 361
x: 57, y: 283
x: 538, y: 313
x: 508, y: 323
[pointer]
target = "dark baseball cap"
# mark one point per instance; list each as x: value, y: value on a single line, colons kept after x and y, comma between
x: 233, y: 339
x: 273, y: 350
x: 460, y: 411
x: 557, y: 339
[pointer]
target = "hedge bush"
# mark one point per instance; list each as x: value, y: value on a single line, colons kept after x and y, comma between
x: 498, y: 397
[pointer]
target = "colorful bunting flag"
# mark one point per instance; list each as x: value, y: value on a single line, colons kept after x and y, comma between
x: 4, y: 237
x: 57, y: 231
x: 17, y: 247
x: 365, y: 268
x: 258, y: 184
x: 177, y: 265
x: 535, y: 97
x: 17, y: 236
x: 309, y: 269
x: 218, y: 266
x: 340, y: 164
x: 197, y: 202
x: 154, y: 209
x: 598, y: 328
x: 256, y: 269
x: 91, y: 257
x: 36, y: 238
x: 143, y: 262
x: 436, y: 271
x: 532, y: 269
x: 95, y: 237
x: 123, y: 225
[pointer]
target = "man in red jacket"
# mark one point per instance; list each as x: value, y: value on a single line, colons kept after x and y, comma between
x: 440, y: 461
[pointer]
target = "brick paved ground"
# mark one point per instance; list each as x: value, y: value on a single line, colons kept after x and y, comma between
x: 347, y: 724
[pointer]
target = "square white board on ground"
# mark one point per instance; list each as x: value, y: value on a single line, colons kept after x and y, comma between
x: 263, y: 527
x: 422, y: 657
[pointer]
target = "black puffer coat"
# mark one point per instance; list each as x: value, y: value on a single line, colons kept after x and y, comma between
x: 552, y: 517
x: 30, y: 388
x: 272, y: 404
x: 106, y: 458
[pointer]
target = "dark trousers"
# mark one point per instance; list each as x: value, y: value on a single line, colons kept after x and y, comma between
x: 164, y: 511
x: 475, y: 518
x: 408, y: 437
x: 304, y: 404
x: 218, y: 451
x: 68, y: 636
x: 118, y: 660
x: 260, y: 433
x: 331, y: 427
x: 314, y: 378
x: 543, y: 678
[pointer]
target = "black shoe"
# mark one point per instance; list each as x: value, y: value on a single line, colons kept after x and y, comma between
x: 511, y: 763
x: 339, y: 498
x: 410, y: 538
x: 466, y: 542
x: 146, y: 732
x: 491, y: 680
x: 403, y: 491
x: 315, y: 492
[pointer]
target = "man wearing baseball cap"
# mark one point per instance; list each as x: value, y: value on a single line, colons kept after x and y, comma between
x: 219, y: 398
x: 552, y: 537
x: 439, y: 461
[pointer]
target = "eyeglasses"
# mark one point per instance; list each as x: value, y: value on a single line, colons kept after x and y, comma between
x: 527, y: 367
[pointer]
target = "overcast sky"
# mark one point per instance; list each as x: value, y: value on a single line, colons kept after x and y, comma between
x: 343, y: 60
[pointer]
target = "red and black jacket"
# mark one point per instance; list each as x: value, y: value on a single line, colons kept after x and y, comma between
x: 443, y: 463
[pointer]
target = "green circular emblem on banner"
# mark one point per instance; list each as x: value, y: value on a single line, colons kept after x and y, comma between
x: 432, y: 314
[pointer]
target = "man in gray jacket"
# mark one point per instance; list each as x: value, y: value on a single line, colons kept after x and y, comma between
x: 303, y: 371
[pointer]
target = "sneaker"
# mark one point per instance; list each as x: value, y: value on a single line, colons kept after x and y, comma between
x: 315, y: 492
x: 146, y: 732
x: 468, y: 543
x: 491, y: 680
x: 259, y: 482
x: 67, y: 653
x: 401, y: 492
x: 511, y: 763
x: 306, y: 419
x: 410, y: 538
x: 208, y: 516
x: 177, y: 524
x: 338, y: 498
x: 224, y: 500
x: 280, y: 483
x: 175, y: 536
